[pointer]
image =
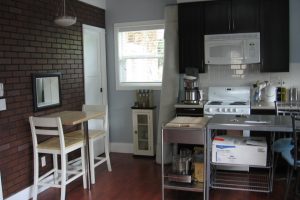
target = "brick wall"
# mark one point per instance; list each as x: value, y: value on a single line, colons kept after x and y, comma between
x: 31, y: 43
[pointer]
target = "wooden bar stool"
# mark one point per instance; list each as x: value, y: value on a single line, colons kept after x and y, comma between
x: 97, y: 131
x: 57, y: 145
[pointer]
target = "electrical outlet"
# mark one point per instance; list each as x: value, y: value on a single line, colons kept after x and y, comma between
x: 1, y: 90
x: 43, y: 161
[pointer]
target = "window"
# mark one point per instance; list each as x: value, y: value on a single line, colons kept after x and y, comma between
x: 139, y: 56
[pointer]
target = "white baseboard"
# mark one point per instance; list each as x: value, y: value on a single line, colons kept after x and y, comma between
x: 121, y: 147
x: 27, y: 192
x: 23, y: 194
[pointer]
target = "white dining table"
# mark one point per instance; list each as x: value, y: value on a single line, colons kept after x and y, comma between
x: 71, y: 118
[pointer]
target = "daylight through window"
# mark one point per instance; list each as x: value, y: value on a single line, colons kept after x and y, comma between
x: 139, y: 54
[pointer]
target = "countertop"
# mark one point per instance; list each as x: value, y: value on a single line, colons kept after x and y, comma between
x: 256, y: 106
x: 263, y: 105
x: 251, y: 122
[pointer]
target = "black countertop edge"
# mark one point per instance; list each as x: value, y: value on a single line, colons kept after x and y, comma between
x: 144, y: 108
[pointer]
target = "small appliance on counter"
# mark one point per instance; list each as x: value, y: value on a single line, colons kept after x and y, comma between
x: 192, y: 94
x: 270, y: 93
x: 258, y: 87
x: 293, y: 94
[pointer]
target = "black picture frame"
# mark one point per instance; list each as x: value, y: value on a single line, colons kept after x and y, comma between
x: 40, y: 77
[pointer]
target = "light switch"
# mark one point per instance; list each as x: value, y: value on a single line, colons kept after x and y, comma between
x: 1, y: 90
x: 2, y: 104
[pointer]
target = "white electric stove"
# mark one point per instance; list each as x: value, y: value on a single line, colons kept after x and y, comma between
x: 228, y: 100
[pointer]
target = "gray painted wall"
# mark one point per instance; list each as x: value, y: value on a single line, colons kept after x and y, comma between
x: 294, y: 31
x: 118, y: 11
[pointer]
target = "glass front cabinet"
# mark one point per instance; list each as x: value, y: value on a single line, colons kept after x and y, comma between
x: 143, y: 141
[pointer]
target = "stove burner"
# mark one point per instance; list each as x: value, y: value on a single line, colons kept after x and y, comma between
x: 215, y: 103
x: 238, y: 103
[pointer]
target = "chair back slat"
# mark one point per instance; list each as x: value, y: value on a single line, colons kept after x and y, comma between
x: 98, y: 123
x: 46, y: 126
x: 46, y: 132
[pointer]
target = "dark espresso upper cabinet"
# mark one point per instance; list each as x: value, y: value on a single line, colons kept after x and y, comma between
x: 191, y: 40
x: 232, y: 16
x: 217, y: 17
x: 274, y: 36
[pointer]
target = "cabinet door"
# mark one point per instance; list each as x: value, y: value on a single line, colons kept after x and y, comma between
x: 143, y: 133
x: 217, y: 17
x: 191, y: 39
x: 274, y: 36
x: 245, y: 16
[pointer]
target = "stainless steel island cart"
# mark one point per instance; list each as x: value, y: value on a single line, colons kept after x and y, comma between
x: 183, y: 130
x: 259, y: 179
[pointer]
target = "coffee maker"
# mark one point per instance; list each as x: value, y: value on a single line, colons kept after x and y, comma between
x: 192, y: 95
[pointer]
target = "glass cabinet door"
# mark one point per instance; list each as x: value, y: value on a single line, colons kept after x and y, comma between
x: 142, y: 131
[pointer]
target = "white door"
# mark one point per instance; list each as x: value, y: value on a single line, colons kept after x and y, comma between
x: 94, y: 56
x: 95, y: 85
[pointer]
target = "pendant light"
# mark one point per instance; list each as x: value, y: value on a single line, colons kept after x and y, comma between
x: 62, y: 19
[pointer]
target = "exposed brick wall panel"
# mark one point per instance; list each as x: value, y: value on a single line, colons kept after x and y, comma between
x: 31, y: 43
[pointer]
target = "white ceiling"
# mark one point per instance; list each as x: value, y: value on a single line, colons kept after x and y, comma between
x: 97, y: 3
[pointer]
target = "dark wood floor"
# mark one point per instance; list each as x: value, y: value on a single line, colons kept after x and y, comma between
x: 138, y: 178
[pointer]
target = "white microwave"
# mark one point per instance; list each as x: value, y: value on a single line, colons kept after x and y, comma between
x: 228, y: 49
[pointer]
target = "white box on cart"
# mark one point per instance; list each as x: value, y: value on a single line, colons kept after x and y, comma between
x: 239, y: 150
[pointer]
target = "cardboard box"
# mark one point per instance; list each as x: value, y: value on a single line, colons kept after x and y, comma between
x: 199, y: 172
x: 239, y: 150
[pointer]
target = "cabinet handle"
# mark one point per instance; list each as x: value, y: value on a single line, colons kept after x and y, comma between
x: 135, y: 132
x: 233, y: 24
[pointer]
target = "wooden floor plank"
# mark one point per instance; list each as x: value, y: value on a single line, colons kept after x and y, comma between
x: 139, y: 178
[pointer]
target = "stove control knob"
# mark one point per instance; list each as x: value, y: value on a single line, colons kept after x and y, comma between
x: 219, y: 110
x: 209, y: 110
x: 223, y: 109
x: 236, y: 110
x: 233, y: 109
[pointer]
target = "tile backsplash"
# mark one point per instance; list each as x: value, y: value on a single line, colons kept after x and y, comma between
x: 247, y: 75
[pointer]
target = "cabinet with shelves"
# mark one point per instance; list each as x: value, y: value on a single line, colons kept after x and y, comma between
x: 143, y: 140
x: 232, y: 16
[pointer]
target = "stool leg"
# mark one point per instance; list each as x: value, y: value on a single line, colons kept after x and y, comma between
x: 83, y: 167
x: 288, y: 182
x: 63, y: 177
x: 106, y: 145
x: 297, y: 183
x: 35, y: 176
x: 92, y: 161
x: 55, y: 168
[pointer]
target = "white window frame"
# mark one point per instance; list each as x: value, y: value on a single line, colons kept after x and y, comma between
x: 131, y: 26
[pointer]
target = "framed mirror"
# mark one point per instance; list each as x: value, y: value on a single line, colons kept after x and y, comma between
x: 46, y: 91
